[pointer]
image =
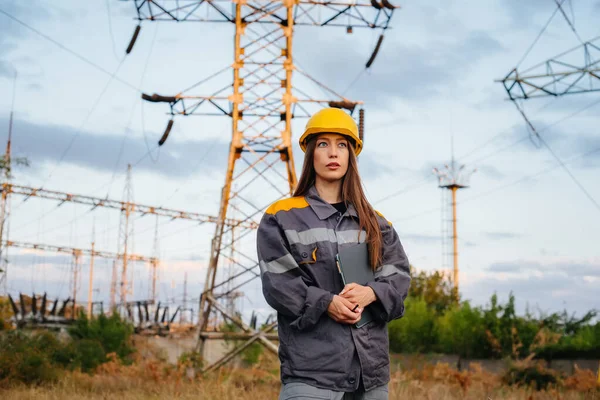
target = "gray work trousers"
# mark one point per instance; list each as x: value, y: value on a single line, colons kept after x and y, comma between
x: 302, y: 391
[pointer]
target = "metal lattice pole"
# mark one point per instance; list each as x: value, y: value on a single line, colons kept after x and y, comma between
x: 4, y: 202
x: 453, y: 178
x: 125, y: 236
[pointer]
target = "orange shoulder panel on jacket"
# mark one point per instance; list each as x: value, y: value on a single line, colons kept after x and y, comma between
x: 287, y: 204
x: 381, y: 215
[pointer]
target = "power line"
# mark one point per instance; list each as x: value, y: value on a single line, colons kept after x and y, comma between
x: 110, y: 30
x: 526, y: 177
x: 141, y: 83
x: 561, y: 163
x: 493, y: 153
x: 560, y: 120
x: 195, y: 167
x: 568, y: 171
x: 80, y: 57
x: 500, y: 187
x: 114, y: 174
x: 56, y: 208
x: 540, y: 34
x: 121, y: 148
x: 404, y: 190
x: 568, y: 20
x: 497, y: 135
x: 87, y: 117
x: 358, y: 76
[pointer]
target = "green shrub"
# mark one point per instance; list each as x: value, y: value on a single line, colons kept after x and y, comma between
x: 416, y: 331
x: 24, y: 359
x: 251, y: 354
x: 34, y: 367
x: 38, y: 357
x: 461, y: 331
x: 113, y: 333
x: 89, y: 354
x: 585, y: 343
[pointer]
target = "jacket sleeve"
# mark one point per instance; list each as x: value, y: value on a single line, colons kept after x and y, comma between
x: 287, y: 288
x: 392, y: 279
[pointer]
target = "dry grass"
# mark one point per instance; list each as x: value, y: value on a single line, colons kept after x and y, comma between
x: 151, y: 379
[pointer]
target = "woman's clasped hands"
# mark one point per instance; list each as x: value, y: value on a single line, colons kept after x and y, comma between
x: 347, y: 307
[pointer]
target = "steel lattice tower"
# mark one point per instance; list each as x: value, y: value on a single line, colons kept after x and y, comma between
x: 261, y: 102
x: 452, y: 178
x: 126, y: 237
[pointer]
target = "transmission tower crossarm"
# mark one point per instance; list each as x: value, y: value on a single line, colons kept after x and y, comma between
x: 216, y: 106
x: 76, y: 251
x: 574, y: 71
x: 340, y: 13
x: 95, y: 202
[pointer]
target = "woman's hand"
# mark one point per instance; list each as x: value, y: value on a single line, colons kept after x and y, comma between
x: 340, y: 310
x: 357, y: 294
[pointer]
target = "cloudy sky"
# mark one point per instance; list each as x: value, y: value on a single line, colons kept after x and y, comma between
x: 524, y: 225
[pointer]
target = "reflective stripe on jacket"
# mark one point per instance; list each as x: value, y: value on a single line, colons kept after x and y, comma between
x: 297, y: 241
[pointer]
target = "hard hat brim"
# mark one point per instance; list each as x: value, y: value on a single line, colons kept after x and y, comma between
x: 342, y: 131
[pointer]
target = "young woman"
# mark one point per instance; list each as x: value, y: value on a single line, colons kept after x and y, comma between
x: 322, y: 354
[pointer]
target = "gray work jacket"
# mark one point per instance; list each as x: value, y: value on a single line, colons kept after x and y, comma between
x: 297, y: 241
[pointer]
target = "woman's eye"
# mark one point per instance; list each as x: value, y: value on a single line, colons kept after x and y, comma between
x: 343, y: 144
x: 321, y: 144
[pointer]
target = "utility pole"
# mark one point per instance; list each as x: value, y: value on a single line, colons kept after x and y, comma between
x: 154, y: 272
x: 182, y: 318
x: 453, y: 178
x: 4, y: 200
x: 154, y: 265
x: 261, y: 102
x: 91, y: 283
x: 125, y: 234
x: 75, y: 287
x: 113, y: 286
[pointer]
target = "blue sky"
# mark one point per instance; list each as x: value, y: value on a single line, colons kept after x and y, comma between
x: 534, y: 234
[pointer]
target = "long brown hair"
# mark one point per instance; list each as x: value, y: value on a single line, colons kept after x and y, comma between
x: 352, y: 192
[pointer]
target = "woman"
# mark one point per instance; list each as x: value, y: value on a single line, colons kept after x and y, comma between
x: 322, y: 354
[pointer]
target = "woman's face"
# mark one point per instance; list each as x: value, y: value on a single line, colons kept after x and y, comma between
x: 331, y: 156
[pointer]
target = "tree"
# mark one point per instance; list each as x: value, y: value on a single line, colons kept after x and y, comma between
x: 435, y: 288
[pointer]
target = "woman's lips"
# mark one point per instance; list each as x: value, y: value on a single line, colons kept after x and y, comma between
x: 333, y: 165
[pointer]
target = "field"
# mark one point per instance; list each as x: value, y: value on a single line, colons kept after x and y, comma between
x: 155, y: 380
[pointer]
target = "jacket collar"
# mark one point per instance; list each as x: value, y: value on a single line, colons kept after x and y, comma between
x: 322, y: 208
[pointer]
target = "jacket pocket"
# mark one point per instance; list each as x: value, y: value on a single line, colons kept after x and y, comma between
x: 378, y: 337
x: 309, y: 258
x: 320, y: 349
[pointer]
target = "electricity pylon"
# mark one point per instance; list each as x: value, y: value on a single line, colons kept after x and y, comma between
x: 5, y: 176
x: 261, y: 102
x: 126, y: 235
x: 453, y: 178
x: 4, y: 210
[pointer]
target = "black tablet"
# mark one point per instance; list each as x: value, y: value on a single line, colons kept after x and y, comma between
x: 353, y: 265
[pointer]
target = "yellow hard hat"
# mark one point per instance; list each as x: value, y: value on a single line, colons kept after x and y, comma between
x: 332, y: 120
